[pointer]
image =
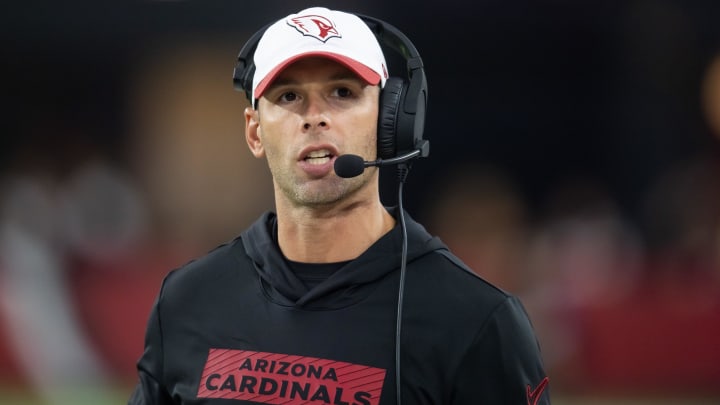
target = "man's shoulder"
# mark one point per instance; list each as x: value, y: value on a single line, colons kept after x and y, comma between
x: 215, y: 265
x: 447, y: 277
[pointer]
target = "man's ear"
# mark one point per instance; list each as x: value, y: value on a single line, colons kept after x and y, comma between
x: 252, y: 132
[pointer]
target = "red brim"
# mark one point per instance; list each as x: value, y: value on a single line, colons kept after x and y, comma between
x: 365, y: 73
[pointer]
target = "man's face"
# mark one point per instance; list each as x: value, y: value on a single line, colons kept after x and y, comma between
x: 314, y: 111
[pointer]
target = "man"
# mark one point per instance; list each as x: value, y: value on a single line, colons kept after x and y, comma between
x: 304, y: 306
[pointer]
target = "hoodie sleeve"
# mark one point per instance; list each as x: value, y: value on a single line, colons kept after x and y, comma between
x: 504, y: 365
x: 150, y: 389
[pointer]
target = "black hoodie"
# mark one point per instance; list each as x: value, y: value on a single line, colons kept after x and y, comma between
x: 237, y: 326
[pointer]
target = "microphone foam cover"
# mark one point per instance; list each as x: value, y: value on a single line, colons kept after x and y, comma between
x: 347, y: 166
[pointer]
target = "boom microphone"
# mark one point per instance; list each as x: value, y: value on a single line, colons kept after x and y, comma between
x: 347, y: 166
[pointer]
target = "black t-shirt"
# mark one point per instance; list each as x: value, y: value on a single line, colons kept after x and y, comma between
x: 312, y: 274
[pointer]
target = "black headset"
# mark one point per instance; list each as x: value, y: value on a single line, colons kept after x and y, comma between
x: 403, y: 101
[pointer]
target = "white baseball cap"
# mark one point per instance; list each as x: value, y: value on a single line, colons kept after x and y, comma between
x: 318, y: 31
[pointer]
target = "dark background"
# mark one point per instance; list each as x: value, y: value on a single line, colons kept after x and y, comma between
x: 545, y: 90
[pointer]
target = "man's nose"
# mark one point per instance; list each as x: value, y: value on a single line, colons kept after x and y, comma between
x: 315, y: 113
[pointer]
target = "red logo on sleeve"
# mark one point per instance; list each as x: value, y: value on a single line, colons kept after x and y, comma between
x: 272, y: 378
x: 533, y: 395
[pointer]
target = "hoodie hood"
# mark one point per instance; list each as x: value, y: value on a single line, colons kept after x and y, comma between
x: 348, y: 284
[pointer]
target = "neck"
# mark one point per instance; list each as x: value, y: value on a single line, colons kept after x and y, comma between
x: 331, y: 234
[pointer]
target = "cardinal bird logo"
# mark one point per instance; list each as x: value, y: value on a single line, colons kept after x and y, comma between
x: 315, y: 26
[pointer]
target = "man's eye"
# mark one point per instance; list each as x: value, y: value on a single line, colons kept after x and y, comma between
x: 289, y: 96
x: 343, y: 92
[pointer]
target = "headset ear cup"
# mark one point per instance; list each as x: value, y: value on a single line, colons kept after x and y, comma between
x: 390, y: 101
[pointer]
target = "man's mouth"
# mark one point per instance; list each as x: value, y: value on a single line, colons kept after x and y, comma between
x: 318, y: 157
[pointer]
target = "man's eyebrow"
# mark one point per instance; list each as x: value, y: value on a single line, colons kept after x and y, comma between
x: 346, y: 75
x: 282, y: 81
x: 286, y: 81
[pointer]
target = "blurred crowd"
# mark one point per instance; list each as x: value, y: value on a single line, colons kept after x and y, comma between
x: 623, y: 304
x: 618, y: 311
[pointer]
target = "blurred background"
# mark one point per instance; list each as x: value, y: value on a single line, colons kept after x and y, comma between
x: 575, y: 161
